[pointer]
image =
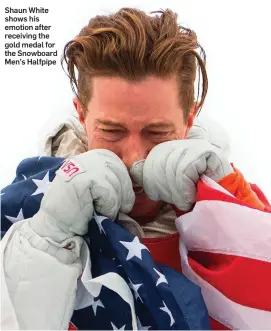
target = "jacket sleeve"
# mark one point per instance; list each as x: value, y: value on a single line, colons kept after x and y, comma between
x: 38, y: 289
x: 38, y: 277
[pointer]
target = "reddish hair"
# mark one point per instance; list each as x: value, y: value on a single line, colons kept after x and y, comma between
x: 131, y: 44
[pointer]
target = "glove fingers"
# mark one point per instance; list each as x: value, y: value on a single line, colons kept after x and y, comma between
x: 218, y: 167
x: 106, y: 200
x: 154, y: 175
x: 171, y: 172
x: 174, y: 177
x: 80, y: 225
x: 122, y: 183
x: 189, y: 169
x: 173, y: 184
x: 136, y: 171
x: 150, y: 183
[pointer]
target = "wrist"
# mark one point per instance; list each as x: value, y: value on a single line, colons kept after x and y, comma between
x: 46, y: 226
x: 67, y: 252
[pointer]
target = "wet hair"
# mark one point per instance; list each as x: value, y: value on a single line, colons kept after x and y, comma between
x: 133, y: 45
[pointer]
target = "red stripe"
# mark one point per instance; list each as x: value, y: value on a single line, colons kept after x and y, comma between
x: 261, y: 196
x: 243, y: 280
x: 165, y: 250
x: 72, y: 326
x: 215, y: 325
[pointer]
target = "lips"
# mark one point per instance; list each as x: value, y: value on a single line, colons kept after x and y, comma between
x: 138, y: 189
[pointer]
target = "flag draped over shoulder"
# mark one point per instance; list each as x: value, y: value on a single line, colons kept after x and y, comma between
x: 131, y: 291
x: 225, y: 249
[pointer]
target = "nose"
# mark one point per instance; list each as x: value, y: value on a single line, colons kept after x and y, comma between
x: 134, y: 149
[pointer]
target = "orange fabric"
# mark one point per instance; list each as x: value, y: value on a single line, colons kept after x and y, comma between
x: 236, y: 184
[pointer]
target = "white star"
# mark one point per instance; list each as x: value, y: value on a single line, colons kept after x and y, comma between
x: 118, y: 266
x: 161, y: 279
x: 166, y: 310
x: 115, y: 328
x: 95, y: 305
x: 19, y: 217
x: 42, y: 184
x: 24, y: 177
x: 135, y: 288
x: 140, y: 326
x: 135, y: 247
x: 99, y: 219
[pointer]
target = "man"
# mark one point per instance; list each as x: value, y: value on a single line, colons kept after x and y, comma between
x: 135, y: 100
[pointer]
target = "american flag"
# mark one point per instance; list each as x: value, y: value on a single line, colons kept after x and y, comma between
x: 148, y: 295
x: 225, y: 248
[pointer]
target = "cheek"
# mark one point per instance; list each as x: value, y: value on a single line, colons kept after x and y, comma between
x: 183, y: 131
x: 94, y: 139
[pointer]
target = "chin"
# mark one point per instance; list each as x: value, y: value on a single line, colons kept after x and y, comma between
x: 144, y: 206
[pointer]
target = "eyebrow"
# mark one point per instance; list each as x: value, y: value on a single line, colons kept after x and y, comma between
x: 109, y: 123
x: 154, y: 125
x: 160, y: 125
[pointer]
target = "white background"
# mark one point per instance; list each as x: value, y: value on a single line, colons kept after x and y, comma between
x: 236, y: 37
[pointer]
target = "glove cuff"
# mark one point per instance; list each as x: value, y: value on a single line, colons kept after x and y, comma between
x: 46, y: 226
x: 67, y: 252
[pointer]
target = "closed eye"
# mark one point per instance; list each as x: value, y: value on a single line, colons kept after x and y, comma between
x: 157, y: 133
x: 112, y: 131
x: 160, y: 136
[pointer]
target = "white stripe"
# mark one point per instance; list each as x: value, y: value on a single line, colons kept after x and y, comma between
x: 209, y: 182
x: 228, y: 228
x: 224, y: 310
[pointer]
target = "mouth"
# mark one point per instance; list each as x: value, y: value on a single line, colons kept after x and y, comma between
x: 138, y: 189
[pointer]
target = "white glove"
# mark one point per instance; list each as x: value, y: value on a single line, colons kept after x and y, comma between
x: 98, y: 180
x: 198, y: 131
x: 210, y: 130
x: 172, y: 169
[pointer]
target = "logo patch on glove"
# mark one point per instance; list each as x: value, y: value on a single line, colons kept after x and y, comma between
x: 70, y: 169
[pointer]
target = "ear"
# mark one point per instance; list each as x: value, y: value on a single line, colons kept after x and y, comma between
x: 192, y: 114
x: 80, y: 110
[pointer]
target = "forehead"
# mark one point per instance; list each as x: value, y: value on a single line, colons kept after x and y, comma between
x: 150, y: 99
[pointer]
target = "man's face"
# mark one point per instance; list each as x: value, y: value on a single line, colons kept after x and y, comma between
x: 130, y: 119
